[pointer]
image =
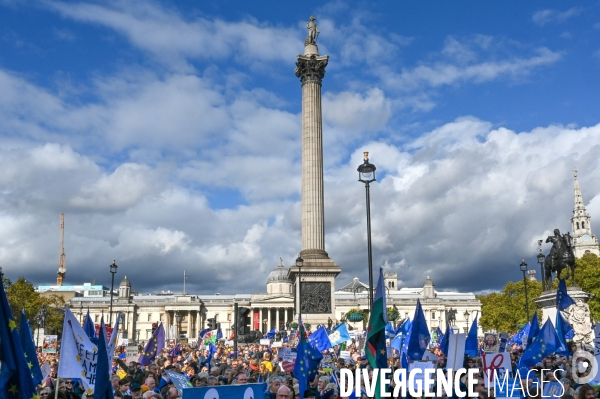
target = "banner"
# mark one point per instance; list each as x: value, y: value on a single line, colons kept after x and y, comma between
x: 495, y: 363
x: 179, y: 380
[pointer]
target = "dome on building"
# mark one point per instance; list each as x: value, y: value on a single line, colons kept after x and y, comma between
x: 279, y: 274
x: 125, y: 283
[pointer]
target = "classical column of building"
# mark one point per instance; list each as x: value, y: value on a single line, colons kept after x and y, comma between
x: 318, y: 270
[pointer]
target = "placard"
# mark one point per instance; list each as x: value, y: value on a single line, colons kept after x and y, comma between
x: 265, y: 341
x: 229, y: 342
x: 495, y: 363
x: 429, y: 357
x: 505, y: 390
x: 46, y: 370
x: 456, y: 351
x: 288, y: 360
x: 419, y: 379
x: 345, y: 355
x: 131, y: 354
x: 123, y: 342
x: 277, y: 344
x: 50, y: 343
x: 491, y: 343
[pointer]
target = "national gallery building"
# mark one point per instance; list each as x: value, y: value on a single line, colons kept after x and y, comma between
x: 184, y: 316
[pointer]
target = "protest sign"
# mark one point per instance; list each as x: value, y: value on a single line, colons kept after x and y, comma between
x: 509, y: 388
x: 131, y: 354
x: 345, y: 355
x: 428, y: 356
x: 495, y: 363
x: 50, y: 343
x: 123, y: 342
x: 288, y: 360
x: 265, y: 341
x: 419, y: 376
x: 277, y: 344
x: 46, y: 370
x: 456, y: 351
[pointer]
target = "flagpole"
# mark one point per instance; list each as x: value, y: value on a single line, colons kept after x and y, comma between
x: 184, y: 276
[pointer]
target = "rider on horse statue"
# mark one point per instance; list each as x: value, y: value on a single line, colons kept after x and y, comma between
x: 560, y: 257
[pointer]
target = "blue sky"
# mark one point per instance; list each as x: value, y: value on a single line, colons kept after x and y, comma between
x: 169, y: 135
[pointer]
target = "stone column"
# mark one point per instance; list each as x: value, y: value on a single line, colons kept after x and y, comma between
x: 190, y: 330
x: 285, y: 317
x: 277, y: 319
x: 269, y: 319
x: 311, y: 70
x: 252, y: 320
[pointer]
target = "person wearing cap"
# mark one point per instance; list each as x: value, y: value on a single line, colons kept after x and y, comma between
x: 363, y: 362
x: 136, y: 391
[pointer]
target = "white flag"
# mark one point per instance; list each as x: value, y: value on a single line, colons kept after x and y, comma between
x: 78, y: 355
x: 110, y: 346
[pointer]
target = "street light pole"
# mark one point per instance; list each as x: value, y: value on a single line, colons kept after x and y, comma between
x: 113, y: 270
x: 299, y: 262
x: 523, y: 267
x: 366, y: 174
x: 467, y: 314
x: 541, y: 258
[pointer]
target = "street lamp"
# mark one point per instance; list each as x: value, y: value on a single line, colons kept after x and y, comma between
x: 467, y: 314
x: 178, y: 321
x: 40, y: 320
x: 366, y: 174
x: 299, y: 262
x: 523, y: 267
x: 113, y: 270
x: 541, y: 258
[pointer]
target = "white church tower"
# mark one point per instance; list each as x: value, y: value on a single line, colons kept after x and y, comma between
x: 583, y: 240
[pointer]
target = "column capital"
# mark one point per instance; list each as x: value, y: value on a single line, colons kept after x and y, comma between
x: 311, y: 68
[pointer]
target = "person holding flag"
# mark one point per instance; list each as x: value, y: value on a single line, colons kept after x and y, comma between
x: 154, y: 346
x: 307, y: 362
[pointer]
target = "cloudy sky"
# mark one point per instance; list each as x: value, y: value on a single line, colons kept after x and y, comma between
x: 169, y: 135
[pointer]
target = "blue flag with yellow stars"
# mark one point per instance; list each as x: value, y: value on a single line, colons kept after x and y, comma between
x: 534, y: 329
x: 471, y: 343
x: 103, y: 387
x: 15, y: 375
x: 29, y: 349
x: 320, y: 340
x: 155, y: 344
x: 418, y: 340
x: 307, y: 362
x: 563, y: 300
x: 545, y: 343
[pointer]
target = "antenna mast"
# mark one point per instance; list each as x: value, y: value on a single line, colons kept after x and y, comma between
x: 62, y: 267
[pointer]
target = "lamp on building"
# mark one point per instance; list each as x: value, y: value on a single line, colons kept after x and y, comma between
x: 299, y: 263
x: 366, y: 174
x: 541, y: 258
x: 113, y: 270
x: 523, y: 267
x: 467, y: 314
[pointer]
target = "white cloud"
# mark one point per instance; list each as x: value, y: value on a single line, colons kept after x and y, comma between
x: 174, y: 40
x: 543, y: 17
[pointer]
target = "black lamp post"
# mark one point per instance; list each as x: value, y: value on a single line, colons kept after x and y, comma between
x: 523, y: 267
x: 113, y: 270
x: 178, y: 321
x: 299, y: 262
x: 40, y: 320
x: 541, y: 258
x: 467, y: 314
x: 366, y: 174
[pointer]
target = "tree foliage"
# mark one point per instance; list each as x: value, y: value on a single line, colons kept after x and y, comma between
x: 587, y: 277
x: 22, y: 295
x: 505, y: 311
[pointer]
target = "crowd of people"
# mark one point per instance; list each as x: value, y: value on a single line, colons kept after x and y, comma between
x: 260, y: 364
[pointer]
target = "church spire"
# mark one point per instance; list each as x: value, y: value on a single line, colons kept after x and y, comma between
x: 583, y: 239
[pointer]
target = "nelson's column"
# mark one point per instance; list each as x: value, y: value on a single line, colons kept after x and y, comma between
x: 315, y: 290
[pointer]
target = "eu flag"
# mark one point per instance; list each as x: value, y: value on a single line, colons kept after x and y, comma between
x: 563, y: 300
x: 319, y: 339
x: 471, y: 344
x: 15, y: 376
x: 445, y: 340
x: 153, y: 347
x: 534, y: 329
x: 29, y: 350
x: 307, y: 362
x: 562, y: 329
x: 103, y: 387
x: 90, y: 328
x: 524, y: 333
x: 419, y: 338
x: 545, y: 343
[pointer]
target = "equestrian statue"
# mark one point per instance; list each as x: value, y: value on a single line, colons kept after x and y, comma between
x: 561, y: 257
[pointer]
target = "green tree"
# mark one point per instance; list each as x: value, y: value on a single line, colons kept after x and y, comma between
x: 587, y: 277
x: 505, y: 310
x: 22, y: 295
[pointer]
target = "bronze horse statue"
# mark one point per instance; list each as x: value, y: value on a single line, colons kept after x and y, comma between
x: 560, y: 258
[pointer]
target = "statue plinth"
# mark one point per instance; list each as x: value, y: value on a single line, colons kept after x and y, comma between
x: 547, y: 302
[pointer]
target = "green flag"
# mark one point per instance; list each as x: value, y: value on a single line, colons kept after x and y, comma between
x: 376, y: 350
